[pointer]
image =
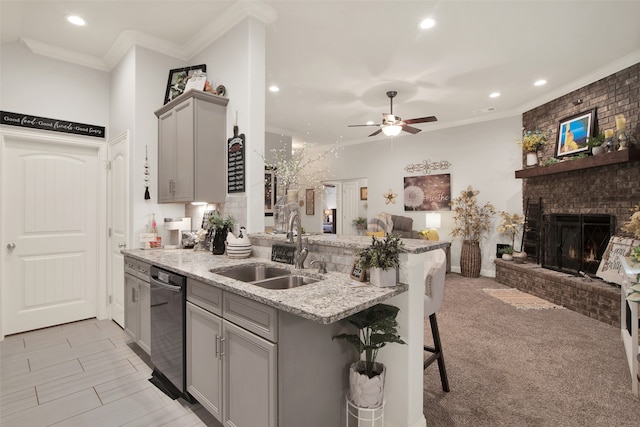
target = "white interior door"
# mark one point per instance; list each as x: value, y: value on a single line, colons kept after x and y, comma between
x: 118, y: 221
x: 349, y: 206
x: 50, y: 219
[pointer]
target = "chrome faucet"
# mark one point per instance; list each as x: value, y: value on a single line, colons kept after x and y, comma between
x: 323, y: 265
x: 301, y: 252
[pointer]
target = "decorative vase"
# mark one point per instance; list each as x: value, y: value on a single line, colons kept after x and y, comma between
x: 382, y: 278
x: 507, y: 257
x: 282, y: 210
x: 597, y: 150
x: 519, y: 257
x: 219, y: 239
x: 532, y: 159
x: 366, y: 392
x: 470, y: 259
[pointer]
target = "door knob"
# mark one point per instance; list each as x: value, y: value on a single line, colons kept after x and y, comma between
x: 122, y: 245
x: 11, y: 246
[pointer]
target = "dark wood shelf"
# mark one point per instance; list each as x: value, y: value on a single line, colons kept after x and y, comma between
x: 605, y: 159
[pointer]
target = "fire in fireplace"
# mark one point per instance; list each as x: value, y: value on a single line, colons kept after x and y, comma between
x: 575, y: 243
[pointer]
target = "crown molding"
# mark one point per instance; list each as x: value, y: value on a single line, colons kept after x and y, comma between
x: 602, y: 72
x: 55, y: 52
x: 220, y: 25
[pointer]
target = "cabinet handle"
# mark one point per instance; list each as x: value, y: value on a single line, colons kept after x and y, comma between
x: 222, y: 346
x: 217, y: 350
x: 134, y: 295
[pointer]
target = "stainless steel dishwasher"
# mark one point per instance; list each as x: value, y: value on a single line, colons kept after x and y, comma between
x: 168, y: 296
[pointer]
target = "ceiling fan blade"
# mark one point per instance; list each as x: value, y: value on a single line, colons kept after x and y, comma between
x: 355, y: 126
x: 376, y: 132
x: 411, y: 129
x: 421, y: 120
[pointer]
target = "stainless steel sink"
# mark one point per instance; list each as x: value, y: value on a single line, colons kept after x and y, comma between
x: 266, y: 276
x: 285, y: 282
x: 253, y: 273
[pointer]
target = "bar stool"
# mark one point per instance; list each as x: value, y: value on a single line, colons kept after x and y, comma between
x: 435, y: 272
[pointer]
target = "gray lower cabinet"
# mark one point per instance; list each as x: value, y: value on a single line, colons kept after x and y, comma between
x: 137, y: 303
x: 230, y: 371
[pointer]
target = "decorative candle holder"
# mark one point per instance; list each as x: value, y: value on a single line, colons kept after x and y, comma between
x: 622, y: 139
x: 610, y: 144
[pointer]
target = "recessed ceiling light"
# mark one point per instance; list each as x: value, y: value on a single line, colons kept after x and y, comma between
x: 425, y: 24
x: 494, y: 95
x: 76, y: 20
x: 370, y: 122
x: 540, y: 82
x: 274, y: 88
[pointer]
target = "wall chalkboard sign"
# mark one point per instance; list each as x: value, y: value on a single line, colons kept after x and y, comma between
x: 54, y: 125
x: 358, y: 273
x: 235, y: 162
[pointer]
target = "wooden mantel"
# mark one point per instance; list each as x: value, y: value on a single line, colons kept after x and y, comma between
x: 605, y: 159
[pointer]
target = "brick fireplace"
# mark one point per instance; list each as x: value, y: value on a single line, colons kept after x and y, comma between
x: 603, y: 186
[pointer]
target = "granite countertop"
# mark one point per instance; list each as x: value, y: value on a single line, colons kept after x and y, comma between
x: 414, y: 246
x: 333, y: 298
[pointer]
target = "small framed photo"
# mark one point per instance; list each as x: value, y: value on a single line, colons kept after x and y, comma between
x: 179, y: 79
x: 573, y: 132
x: 364, y: 193
x: 358, y: 273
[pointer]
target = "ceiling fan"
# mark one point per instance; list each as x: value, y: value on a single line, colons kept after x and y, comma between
x: 392, y: 125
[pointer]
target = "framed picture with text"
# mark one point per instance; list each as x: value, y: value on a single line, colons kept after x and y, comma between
x: 178, y: 79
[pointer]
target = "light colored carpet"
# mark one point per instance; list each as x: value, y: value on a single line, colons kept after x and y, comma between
x: 525, y: 368
x: 520, y: 300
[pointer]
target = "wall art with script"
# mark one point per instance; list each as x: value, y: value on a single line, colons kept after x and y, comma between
x: 611, y: 269
x: 427, y: 193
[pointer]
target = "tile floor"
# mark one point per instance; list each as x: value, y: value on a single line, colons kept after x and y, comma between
x: 86, y: 373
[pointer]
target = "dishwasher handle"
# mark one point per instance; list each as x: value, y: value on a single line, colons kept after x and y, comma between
x: 166, y: 285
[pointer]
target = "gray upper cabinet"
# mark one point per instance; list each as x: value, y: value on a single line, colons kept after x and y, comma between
x: 192, y: 148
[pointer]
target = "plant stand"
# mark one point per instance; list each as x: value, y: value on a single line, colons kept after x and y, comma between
x: 363, y: 417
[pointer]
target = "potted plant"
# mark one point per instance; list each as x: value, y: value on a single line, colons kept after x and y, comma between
x: 510, y: 226
x: 530, y: 143
x: 360, y: 223
x: 595, y: 142
x: 381, y: 259
x: 220, y: 227
x: 376, y: 326
x: 471, y: 222
x: 506, y: 253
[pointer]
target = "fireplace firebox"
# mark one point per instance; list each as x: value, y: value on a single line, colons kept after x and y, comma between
x: 575, y: 243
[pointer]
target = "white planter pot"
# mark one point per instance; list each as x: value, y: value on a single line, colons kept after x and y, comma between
x: 366, y: 392
x: 597, y: 150
x: 507, y: 257
x: 381, y: 278
x: 532, y: 159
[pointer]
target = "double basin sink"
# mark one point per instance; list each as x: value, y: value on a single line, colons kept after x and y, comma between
x: 266, y: 276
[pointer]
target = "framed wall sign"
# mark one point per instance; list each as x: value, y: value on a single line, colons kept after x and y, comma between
x: 310, y: 196
x: 358, y: 273
x: 611, y: 269
x: 427, y: 192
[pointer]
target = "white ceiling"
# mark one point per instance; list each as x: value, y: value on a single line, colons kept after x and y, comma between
x: 334, y: 60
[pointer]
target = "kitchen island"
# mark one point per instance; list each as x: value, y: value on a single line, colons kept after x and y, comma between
x: 310, y: 369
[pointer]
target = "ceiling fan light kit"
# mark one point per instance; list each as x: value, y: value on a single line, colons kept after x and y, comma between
x: 392, y: 125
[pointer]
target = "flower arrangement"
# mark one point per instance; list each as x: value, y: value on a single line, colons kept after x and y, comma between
x: 510, y: 226
x: 217, y: 222
x: 294, y: 168
x: 532, y: 141
x: 633, y: 225
x: 471, y: 220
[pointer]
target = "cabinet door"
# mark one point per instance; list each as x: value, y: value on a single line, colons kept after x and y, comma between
x: 131, y: 316
x: 184, y: 154
x: 144, y: 311
x: 166, y: 156
x: 204, y: 362
x: 250, y: 379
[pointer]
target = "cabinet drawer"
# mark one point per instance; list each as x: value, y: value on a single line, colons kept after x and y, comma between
x: 251, y: 315
x: 143, y: 271
x: 205, y: 296
x: 130, y: 266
